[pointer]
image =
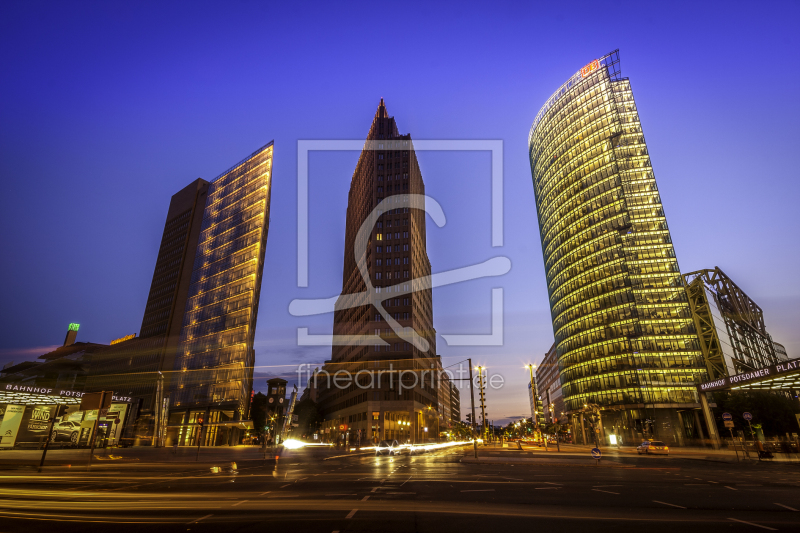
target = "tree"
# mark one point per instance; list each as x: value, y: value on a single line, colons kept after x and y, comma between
x: 772, y: 410
x: 258, y: 414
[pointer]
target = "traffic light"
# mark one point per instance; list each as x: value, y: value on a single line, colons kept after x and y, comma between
x: 200, y: 421
x: 469, y: 418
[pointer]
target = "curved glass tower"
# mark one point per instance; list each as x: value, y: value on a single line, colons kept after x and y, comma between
x: 623, y: 328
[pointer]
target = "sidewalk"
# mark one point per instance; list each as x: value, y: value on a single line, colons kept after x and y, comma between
x: 580, y: 451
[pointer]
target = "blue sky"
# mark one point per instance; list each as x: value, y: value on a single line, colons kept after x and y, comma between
x: 108, y: 110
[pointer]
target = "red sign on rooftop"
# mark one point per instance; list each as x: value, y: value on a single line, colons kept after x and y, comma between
x: 591, y: 67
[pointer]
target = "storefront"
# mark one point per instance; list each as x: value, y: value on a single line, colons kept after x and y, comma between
x: 26, y: 413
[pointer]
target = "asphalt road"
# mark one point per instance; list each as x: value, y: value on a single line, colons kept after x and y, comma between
x: 317, y: 490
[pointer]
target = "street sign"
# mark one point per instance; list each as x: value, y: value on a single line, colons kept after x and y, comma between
x: 747, y: 416
x: 116, y: 421
x: 727, y: 416
x: 91, y: 401
x: 596, y: 453
x: 728, y: 423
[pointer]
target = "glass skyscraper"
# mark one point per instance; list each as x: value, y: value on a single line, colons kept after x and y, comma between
x: 623, y: 329
x: 214, y: 363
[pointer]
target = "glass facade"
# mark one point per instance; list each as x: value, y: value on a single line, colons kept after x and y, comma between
x: 623, y: 329
x: 215, y: 355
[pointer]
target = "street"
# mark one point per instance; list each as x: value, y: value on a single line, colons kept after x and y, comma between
x: 321, y: 490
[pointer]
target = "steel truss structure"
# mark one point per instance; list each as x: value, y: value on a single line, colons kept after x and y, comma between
x: 733, y: 336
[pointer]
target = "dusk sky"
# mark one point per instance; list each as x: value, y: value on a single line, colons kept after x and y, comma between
x: 109, y: 109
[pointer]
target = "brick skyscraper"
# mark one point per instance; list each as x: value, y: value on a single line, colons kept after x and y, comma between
x: 395, y: 258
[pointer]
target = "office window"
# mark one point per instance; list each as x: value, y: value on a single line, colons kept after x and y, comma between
x: 380, y: 249
x: 380, y: 177
x: 380, y: 224
x: 380, y: 167
x: 405, y: 273
x: 405, y: 235
x: 378, y: 318
x: 405, y: 261
x: 405, y: 316
x: 380, y: 156
x: 377, y: 275
x: 377, y: 262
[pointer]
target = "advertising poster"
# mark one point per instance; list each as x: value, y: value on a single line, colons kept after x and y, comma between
x: 10, y: 425
x: 36, y: 423
x: 117, y: 410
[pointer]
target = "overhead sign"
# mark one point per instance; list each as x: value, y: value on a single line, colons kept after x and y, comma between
x: 749, y: 377
x: 591, y: 67
x: 29, y: 390
x: 747, y: 416
x: 123, y: 339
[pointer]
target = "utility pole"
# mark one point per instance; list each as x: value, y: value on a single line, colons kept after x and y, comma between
x: 472, y: 402
x: 483, y: 403
x: 49, y: 435
x: 94, y: 429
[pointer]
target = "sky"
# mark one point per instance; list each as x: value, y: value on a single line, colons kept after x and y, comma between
x: 110, y: 108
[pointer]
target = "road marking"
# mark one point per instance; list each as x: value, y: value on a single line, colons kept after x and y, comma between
x: 285, y: 486
x: 201, y: 518
x: 787, y: 507
x: 753, y: 524
x: 479, y: 490
x: 607, y: 486
x: 727, y: 487
x: 670, y: 504
x: 351, y: 513
x: 402, y: 492
x: 265, y: 493
x: 714, y: 482
x: 547, y: 488
x: 239, y: 503
x: 341, y: 494
x: 607, y: 491
x: 365, y: 498
x: 374, y: 489
x: 406, y: 481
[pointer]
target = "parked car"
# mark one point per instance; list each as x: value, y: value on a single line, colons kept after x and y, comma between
x: 652, y: 447
x: 388, y: 447
x: 67, y: 430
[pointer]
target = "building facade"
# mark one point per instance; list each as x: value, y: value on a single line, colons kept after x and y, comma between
x: 213, y: 367
x: 624, y: 333
x: 384, y: 316
x: 548, y: 382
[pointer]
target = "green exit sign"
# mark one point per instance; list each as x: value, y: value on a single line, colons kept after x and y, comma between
x: 74, y: 327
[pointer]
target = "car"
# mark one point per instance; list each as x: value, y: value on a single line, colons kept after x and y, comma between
x: 387, y: 447
x: 67, y: 430
x: 652, y: 447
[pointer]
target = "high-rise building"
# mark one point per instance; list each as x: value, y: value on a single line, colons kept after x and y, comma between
x: 624, y: 333
x: 730, y: 325
x: 399, y: 336
x: 215, y: 356
x: 194, y: 356
x: 548, y: 384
